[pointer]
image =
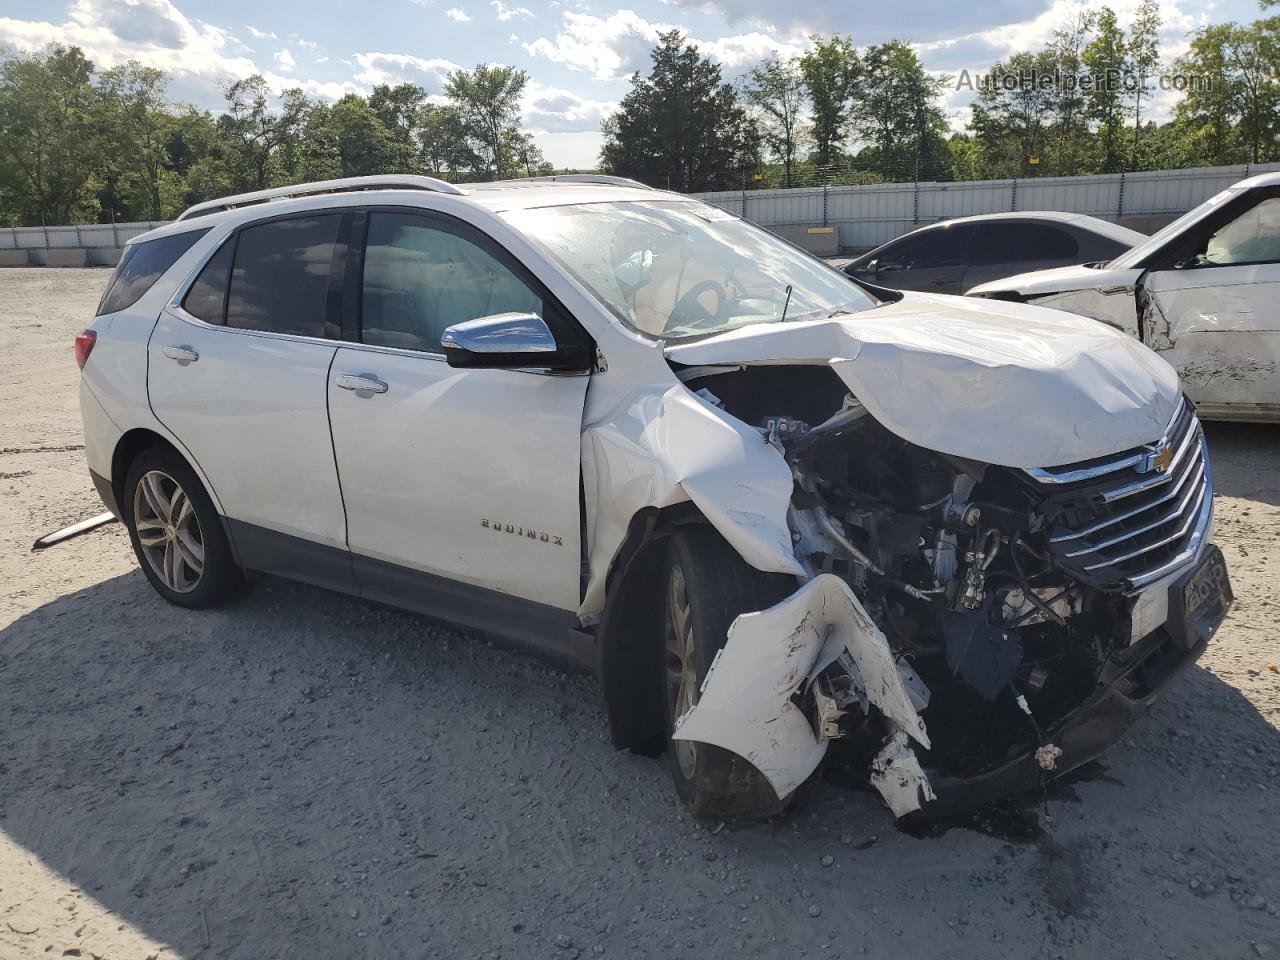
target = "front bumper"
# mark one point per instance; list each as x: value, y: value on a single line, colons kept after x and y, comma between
x: 1128, y: 687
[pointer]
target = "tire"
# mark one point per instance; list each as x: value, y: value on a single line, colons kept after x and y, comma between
x: 176, y: 533
x: 715, y: 585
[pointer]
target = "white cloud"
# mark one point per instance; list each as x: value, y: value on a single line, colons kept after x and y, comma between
x: 457, y: 13
x: 618, y: 45
x: 393, y: 68
x: 305, y: 44
x: 285, y: 61
x: 261, y: 34
x: 505, y: 13
x: 548, y: 109
x: 607, y: 47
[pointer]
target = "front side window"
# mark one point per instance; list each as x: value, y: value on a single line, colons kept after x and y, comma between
x: 142, y: 265
x: 678, y: 269
x: 1016, y: 242
x: 422, y: 276
x: 1252, y: 237
x: 935, y: 247
x: 280, y: 281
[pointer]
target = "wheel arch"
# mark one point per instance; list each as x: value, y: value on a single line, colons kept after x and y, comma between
x: 630, y: 630
x: 132, y: 443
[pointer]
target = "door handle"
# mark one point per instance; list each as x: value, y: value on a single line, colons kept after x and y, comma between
x: 361, y: 383
x: 183, y: 354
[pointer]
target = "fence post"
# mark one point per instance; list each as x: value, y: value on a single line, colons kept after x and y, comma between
x: 1120, y: 204
x: 79, y: 239
x: 1013, y: 196
x: 824, y: 205
x: 915, y: 202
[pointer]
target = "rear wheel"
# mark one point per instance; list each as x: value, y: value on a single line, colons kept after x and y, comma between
x: 706, y: 585
x: 176, y: 533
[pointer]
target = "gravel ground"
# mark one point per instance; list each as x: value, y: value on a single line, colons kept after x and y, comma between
x: 309, y: 775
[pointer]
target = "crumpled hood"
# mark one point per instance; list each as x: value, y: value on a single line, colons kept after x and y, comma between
x: 1038, y: 283
x: 998, y: 382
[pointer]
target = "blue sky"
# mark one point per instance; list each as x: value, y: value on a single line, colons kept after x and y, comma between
x: 579, y: 53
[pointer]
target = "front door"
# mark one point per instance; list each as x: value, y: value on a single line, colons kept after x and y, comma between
x: 1215, y: 316
x: 453, y: 476
x: 238, y: 371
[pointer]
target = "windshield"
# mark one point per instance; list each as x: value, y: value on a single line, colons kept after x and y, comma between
x: 1135, y: 256
x: 679, y: 269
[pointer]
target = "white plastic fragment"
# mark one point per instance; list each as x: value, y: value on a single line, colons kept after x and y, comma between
x: 896, y: 774
x: 746, y: 704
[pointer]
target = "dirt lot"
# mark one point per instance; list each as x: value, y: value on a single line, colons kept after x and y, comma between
x: 308, y: 775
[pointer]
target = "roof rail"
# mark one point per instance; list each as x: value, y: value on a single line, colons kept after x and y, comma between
x: 591, y: 178
x: 343, y: 185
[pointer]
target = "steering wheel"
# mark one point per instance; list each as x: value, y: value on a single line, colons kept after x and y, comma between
x: 689, y: 309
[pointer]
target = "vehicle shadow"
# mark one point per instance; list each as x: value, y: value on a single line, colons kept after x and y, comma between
x: 300, y: 773
x: 1246, y: 460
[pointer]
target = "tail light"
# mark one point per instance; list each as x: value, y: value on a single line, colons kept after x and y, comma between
x: 84, y: 347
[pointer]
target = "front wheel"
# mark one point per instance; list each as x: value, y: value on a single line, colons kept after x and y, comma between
x: 706, y: 585
x: 176, y: 533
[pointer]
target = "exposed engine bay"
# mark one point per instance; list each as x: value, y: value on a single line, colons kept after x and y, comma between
x: 955, y: 572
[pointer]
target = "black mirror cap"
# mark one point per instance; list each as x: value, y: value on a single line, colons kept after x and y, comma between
x: 567, y: 358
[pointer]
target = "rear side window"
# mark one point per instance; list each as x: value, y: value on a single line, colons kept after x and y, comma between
x: 1017, y: 242
x: 281, y: 278
x: 207, y: 298
x: 142, y: 265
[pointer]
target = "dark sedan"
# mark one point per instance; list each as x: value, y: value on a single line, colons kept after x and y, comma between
x: 954, y: 255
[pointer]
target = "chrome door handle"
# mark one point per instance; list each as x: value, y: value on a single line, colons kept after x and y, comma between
x: 182, y: 354
x: 361, y: 383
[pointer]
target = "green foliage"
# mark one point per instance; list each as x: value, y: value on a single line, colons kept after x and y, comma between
x: 79, y: 145
x: 681, y: 127
x: 831, y: 69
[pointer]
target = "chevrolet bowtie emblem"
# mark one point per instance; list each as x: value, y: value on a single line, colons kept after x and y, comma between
x: 1159, y: 459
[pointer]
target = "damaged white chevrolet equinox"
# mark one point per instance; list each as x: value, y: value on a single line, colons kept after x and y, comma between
x: 768, y: 507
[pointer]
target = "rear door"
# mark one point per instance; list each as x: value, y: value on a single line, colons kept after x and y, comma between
x: 1009, y: 247
x: 1215, y: 309
x: 237, y: 371
x: 453, y: 476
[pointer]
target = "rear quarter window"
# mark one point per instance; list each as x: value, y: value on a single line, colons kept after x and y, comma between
x: 142, y: 265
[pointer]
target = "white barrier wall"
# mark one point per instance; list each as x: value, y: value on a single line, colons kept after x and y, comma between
x: 84, y: 236
x: 864, y: 216
x: 867, y: 216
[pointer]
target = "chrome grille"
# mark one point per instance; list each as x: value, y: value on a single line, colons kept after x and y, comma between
x: 1127, y: 520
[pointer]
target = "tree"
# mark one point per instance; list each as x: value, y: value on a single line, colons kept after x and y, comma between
x: 400, y: 110
x: 775, y: 91
x: 1107, y: 58
x: 1236, y: 116
x: 831, y: 70
x: 348, y: 139
x: 136, y: 120
x: 681, y: 126
x: 49, y: 140
x: 256, y: 135
x: 1013, y: 114
x: 487, y: 100
x: 896, y: 113
x: 1144, y: 59
x: 1071, y: 133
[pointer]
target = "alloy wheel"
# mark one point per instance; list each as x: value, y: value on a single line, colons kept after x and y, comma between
x: 168, y: 530
x: 681, y: 668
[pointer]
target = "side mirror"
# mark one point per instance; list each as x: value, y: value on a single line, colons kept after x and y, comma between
x: 873, y: 268
x: 508, y: 341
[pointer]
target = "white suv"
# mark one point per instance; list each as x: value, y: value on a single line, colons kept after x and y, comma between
x: 767, y: 506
